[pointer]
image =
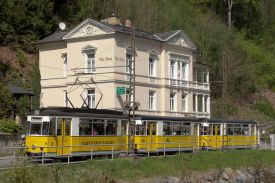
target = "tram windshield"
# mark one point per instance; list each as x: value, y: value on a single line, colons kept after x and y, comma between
x: 40, y: 127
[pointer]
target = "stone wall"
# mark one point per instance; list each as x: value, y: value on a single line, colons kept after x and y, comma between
x: 8, y: 140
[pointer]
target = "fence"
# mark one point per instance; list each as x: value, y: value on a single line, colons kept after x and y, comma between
x: 19, y: 153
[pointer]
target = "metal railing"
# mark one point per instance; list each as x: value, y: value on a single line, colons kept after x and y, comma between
x: 115, y: 149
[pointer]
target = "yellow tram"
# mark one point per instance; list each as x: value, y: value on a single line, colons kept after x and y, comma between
x: 60, y: 131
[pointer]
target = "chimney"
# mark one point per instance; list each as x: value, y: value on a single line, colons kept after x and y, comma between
x: 128, y: 23
x: 114, y: 20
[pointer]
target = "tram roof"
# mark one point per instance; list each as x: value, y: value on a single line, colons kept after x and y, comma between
x: 78, y: 112
x: 213, y: 120
x: 166, y: 118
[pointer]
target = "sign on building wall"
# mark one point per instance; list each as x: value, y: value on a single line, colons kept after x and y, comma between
x: 120, y: 90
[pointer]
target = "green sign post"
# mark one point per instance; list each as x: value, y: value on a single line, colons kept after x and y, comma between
x: 120, y: 90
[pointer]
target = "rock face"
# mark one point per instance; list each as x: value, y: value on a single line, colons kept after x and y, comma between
x: 227, y: 175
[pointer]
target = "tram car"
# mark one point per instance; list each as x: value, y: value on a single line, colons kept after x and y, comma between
x: 60, y: 131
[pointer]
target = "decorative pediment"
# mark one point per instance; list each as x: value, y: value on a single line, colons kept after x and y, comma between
x: 181, y: 39
x: 87, y: 28
x: 88, y: 48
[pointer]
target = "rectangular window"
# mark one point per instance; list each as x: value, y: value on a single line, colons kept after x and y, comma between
x: 184, y: 71
x: 205, y: 103
x: 173, y: 74
x: 200, y: 97
x: 194, y: 103
x: 172, y: 101
x: 90, y: 62
x: 184, y: 102
x: 91, y: 98
x: 128, y: 62
x: 152, y: 100
x: 65, y: 64
x: 152, y: 69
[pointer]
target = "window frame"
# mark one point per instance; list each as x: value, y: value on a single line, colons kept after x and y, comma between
x: 91, y: 98
x: 185, y: 101
x: 152, y: 98
x: 173, y: 101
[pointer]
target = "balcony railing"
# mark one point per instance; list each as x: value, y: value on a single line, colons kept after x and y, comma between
x: 190, y: 84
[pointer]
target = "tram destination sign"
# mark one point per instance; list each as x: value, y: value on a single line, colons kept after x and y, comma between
x: 120, y: 90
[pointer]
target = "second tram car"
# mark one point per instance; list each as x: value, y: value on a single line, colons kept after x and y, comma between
x: 79, y: 132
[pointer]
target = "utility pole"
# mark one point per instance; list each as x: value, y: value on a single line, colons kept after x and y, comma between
x: 132, y: 94
x: 224, y: 95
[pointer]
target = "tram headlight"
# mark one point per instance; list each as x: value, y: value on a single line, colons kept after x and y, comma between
x: 34, y: 146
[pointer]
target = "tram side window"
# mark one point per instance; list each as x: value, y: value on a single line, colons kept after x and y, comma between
x: 186, y: 129
x: 204, y: 130
x: 85, y: 127
x: 141, y: 129
x: 98, y: 127
x: 111, y: 128
x: 176, y: 128
x: 245, y: 130
x: 167, y: 128
x: 45, y: 128
x: 237, y: 129
x: 230, y: 129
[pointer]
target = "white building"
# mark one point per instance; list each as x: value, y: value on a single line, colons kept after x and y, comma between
x: 91, y: 60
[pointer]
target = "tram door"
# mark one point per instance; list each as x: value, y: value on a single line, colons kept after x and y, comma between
x: 63, y: 136
x: 152, y: 132
x: 217, y: 135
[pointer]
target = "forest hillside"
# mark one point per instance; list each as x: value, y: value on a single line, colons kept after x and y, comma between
x: 236, y: 38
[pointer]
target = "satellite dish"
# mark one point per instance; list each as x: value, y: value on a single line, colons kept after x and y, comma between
x: 62, y: 26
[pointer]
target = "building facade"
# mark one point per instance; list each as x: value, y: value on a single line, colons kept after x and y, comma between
x: 84, y: 66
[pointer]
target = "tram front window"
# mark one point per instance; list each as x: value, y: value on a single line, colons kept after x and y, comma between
x: 35, y: 128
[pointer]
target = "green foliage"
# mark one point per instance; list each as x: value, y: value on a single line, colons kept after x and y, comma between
x: 36, y: 84
x: 133, y: 169
x: 22, y: 58
x: 9, y: 126
x: 26, y: 21
x: 21, y: 174
x: 266, y: 108
x: 6, y: 102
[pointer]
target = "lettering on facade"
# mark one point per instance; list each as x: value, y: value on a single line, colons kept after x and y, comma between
x: 97, y: 142
x: 105, y: 59
x: 119, y: 59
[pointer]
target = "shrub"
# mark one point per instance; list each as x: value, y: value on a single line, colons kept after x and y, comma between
x: 266, y: 108
x: 9, y: 126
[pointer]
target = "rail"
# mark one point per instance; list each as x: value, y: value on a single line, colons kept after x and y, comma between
x: 146, y: 149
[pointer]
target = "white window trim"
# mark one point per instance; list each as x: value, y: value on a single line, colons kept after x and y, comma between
x: 175, y: 101
x: 92, y: 104
x: 89, y: 50
x: 185, y: 109
x: 179, y: 59
x: 153, y: 107
x: 152, y: 56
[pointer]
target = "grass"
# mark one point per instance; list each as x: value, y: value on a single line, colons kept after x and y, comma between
x: 132, y: 169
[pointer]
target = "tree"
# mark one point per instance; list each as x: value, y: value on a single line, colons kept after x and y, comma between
x: 6, y: 102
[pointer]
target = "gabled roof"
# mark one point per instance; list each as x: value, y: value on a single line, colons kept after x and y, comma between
x: 18, y: 90
x: 126, y: 30
x: 56, y: 36
x: 162, y: 37
x: 166, y: 35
